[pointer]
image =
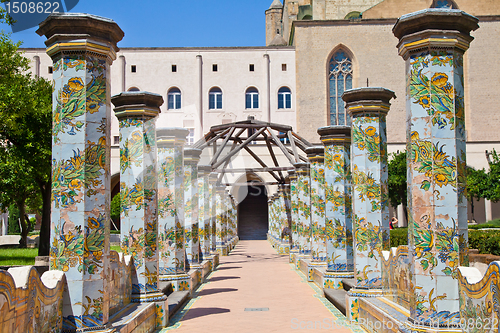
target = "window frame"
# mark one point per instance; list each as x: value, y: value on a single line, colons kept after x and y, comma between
x: 340, y: 78
x: 176, y: 95
x: 215, y: 98
x: 251, y: 98
x: 284, y: 94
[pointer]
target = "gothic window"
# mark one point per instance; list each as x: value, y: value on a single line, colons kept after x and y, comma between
x: 174, y: 99
x: 340, y: 80
x: 252, y: 98
x: 284, y: 98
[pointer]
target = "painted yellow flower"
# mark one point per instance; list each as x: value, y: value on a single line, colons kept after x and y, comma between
x: 138, y: 201
x: 371, y: 131
x: 361, y: 145
x: 424, y: 153
x: 93, y: 223
x: 336, y: 157
x: 370, y: 195
x: 440, y: 179
x: 75, y: 184
x: 425, y: 101
x: 136, y: 136
x: 65, y: 268
x: 439, y: 80
x: 414, y: 135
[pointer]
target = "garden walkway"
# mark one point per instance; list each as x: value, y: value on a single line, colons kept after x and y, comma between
x: 251, y: 279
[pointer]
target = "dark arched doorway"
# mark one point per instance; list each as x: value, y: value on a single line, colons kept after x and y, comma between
x: 253, y: 213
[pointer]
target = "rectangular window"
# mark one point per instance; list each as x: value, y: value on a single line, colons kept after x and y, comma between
x: 116, y: 140
x: 170, y: 101
x: 190, y: 137
x: 252, y: 67
x: 211, y: 101
x: 219, y: 101
x: 133, y: 68
x: 214, y: 68
x: 51, y: 70
x: 174, y: 68
x: 177, y: 101
x: 288, y: 101
x: 248, y: 101
x: 280, y: 101
x: 283, y: 67
x: 255, y: 101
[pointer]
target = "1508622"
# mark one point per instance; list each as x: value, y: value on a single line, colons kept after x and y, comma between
x: 31, y: 7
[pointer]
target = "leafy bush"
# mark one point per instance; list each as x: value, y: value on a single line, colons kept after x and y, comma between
x: 399, y: 236
x: 115, y: 208
x: 14, y: 228
x: 489, y: 224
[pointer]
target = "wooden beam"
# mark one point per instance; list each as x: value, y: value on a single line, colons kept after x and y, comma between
x: 239, y: 170
x: 280, y: 145
x: 301, y: 139
x: 300, y: 156
x: 292, y: 143
x: 219, y: 179
x: 257, y: 158
x: 273, y: 156
x: 240, y: 147
x: 224, y: 143
x: 215, y: 138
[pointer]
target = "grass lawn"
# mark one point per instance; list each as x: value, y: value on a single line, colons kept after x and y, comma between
x: 14, y: 256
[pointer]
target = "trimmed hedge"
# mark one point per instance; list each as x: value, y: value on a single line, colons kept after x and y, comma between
x: 486, y: 241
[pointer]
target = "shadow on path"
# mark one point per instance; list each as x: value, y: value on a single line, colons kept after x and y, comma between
x: 200, y: 312
x: 221, y: 278
x: 211, y: 291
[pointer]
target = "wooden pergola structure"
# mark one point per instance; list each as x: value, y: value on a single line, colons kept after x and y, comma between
x: 241, y: 135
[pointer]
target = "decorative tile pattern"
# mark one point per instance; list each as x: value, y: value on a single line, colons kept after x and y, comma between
x: 370, y: 195
x: 80, y: 184
x: 204, y: 218
x: 220, y: 228
x: 294, y: 199
x: 171, y: 245
x: 139, y: 200
x: 192, y: 240
x: 304, y: 208
x: 337, y: 141
x: 318, y: 218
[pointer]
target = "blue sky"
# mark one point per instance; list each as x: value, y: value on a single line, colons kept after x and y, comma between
x: 174, y: 23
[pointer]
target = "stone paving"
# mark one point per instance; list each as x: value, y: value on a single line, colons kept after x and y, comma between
x: 254, y: 277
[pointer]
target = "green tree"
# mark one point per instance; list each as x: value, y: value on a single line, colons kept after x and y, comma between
x: 115, y: 208
x: 477, y: 186
x: 493, y: 189
x: 397, y: 180
x: 26, y: 131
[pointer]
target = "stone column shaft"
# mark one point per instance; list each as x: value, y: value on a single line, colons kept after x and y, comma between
x: 304, y: 211
x: 192, y: 240
x: 294, y: 205
x: 136, y: 113
x: 337, y: 142
x: 437, y: 206
x: 318, y: 221
x: 204, y: 210
x: 82, y: 48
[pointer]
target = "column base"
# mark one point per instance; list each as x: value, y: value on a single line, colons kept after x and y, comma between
x: 352, y: 299
x: 307, y: 266
x: 214, y: 257
x: 180, y: 282
x: 222, y: 250
x: 284, y: 248
x: 293, y: 253
x: 379, y: 314
x: 298, y: 257
x: 333, y: 280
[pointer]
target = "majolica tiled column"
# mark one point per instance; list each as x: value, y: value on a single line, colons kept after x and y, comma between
x: 171, y: 247
x: 82, y: 48
x: 220, y: 227
x: 318, y: 221
x: 204, y: 218
x: 136, y: 113
x: 368, y: 108
x: 192, y: 240
x: 282, y: 221
x: 294, y: 208
x: 338, y: 205
x: 433, y: 43
x: 213, y: 210
x: 304, y: 211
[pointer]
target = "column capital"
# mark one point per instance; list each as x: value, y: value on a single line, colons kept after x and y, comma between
x: 192, y: 155
x: 331, y: 135
x: 316, y: 153
x: 301, y: 167
x: 169, y: 136
x: 369, y: 100
x: 434, y: 28
x: 204, y: 170
x: 136, y: 104
x: 70, y: 32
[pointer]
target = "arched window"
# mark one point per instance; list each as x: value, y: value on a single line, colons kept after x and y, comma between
x: 284, y: 98
x: 215, y: 98
x: 444, y: 4
x: 340, y: 80
x: 133, y: 89
x: 174, y: 99
x: 252, y: 98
